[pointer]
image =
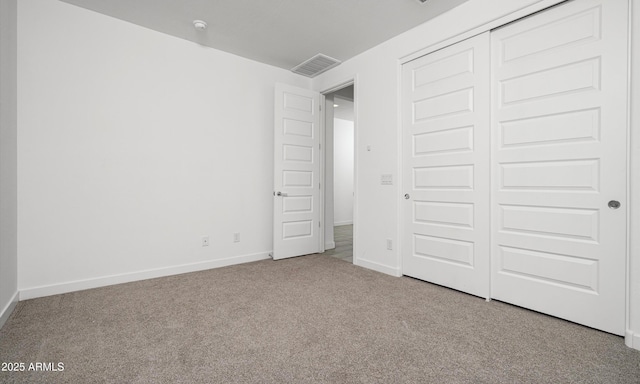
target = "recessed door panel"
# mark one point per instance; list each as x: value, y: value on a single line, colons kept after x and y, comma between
x: 568, y: 175
x: 300, y: 153
x: 292, y: 127
x: 448, y: 214
x: 569, y: 223
x: 443, y: 69
x: 568, y: 272
x: 575, y: 29
x: 297, y: 204
x: 297, y: 229
x: 457, y: 102
x: 444, y: 177
x: 296, y: 102
x: 549, y: 82
x: 559, y: 128
x: 443, y: 250
x: 445, y: 141
x: 297, y: 179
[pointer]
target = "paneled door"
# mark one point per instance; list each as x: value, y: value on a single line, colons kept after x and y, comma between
x: 296, y: 227
x: 446, y: 177
x: 559, y: 162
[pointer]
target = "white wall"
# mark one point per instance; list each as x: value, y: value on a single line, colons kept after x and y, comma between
x: 131, y: 146
x: 8, y: 157
x: 343, y: 171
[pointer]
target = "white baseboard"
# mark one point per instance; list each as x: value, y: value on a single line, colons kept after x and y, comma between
x: 8, y: 309
x: 330, y: 245
x: 339, y: 223
x: 72, y: 286
x: 632, y: 340
x: 378, y: 267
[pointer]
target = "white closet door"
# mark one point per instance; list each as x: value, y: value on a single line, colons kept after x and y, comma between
x: 559, y: 159
x: 446, y: 165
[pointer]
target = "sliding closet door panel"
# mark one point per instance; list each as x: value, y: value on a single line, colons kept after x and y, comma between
x: 446, y: 150
x: 559, y: 158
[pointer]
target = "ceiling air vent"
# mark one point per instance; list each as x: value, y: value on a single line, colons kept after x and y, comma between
x: 315, y: 65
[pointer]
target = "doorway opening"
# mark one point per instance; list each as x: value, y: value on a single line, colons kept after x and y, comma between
x: 339, y: 172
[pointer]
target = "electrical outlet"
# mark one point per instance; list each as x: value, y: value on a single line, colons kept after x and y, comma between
x: 205, y: 241
x: 389, y: 244
x: 236, y: 237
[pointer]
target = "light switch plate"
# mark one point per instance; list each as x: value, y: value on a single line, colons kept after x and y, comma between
x: 386, y: 179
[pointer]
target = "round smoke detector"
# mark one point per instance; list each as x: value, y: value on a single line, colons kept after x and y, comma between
x: 200, y: 25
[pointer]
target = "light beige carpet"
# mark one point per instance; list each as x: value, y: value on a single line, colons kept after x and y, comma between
x: 312, y: 319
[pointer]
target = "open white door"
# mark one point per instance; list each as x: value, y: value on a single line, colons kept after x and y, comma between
x: 296, y: 207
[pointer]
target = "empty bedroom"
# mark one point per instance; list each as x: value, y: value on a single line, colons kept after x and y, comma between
x: 339, y: 191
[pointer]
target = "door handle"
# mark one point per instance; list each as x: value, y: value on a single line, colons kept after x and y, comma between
x: 282, y: 194
x: 614, y: 204
x: 406, y: 196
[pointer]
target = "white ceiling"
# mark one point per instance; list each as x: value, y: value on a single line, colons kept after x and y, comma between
x: 282, y: 33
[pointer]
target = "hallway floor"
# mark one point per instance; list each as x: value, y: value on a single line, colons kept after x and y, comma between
x: 343, y: 236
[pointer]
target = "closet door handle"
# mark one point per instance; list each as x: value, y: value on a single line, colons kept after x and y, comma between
x: 407, y: 196
x: 614, y: 204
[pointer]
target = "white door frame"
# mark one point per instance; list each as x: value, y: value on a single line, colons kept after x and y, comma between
x: 323, y: 143
x: 632, y: 336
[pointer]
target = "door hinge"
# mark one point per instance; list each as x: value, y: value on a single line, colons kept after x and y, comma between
x: 318, y: 224
x: 319, y: 186
x: 320, y: 146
